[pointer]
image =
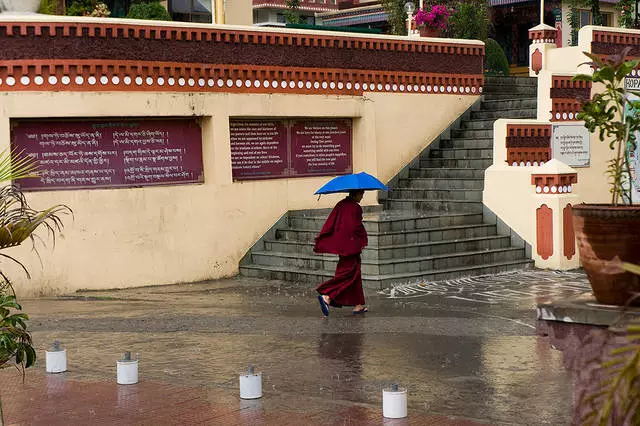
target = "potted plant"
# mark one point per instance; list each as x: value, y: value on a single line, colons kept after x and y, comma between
x: 604, y: 231
x: 18, y: 223
x: 431, y: 22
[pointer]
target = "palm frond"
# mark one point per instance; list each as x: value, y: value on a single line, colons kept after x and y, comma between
x: 16, y: 165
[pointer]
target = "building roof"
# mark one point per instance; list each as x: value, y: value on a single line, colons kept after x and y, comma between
x: 305, y: 5
x: 354, y: 16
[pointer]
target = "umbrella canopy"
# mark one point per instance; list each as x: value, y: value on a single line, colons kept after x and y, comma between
x: 353, y: 182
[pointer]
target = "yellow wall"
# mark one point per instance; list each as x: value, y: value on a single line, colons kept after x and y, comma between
x: 170, y: 234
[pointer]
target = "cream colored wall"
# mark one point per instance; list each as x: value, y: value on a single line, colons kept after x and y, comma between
x: 239, y: 12
x: 169, y: 234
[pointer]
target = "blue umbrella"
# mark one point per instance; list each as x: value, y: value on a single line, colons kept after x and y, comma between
x: 353, y: 182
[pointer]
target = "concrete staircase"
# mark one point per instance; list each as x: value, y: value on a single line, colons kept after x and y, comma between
x: 433, y: 225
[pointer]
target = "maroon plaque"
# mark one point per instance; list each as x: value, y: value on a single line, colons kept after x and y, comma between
x: 321, y: 148
x: 267, y: 149
x: 111, y: 153
x: 259, y: 149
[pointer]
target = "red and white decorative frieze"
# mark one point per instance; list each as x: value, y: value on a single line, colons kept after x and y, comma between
x: 554, y: 183
x: 93, y: 55
x: 528, y: 144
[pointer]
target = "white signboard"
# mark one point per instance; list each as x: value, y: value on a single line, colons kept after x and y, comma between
x: 570, y: 144
x: 632, y: 83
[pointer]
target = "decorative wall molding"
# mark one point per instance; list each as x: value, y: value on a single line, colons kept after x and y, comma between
x: 610, y: 42
x: 528, y: 144
x: 554, y: 183
x: 567, y: 97
x: 93, y: 56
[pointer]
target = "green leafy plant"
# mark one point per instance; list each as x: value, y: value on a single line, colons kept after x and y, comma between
x: 604, y: 113
x: 396, y: 16
x: 495, y: 61
x: 470, y: 20
x: 152, y: 11
x: 626, y: 9
x: 292, y: 14
x: 93, y: 8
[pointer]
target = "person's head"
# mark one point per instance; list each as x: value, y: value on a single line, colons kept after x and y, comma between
x: 356, y: 195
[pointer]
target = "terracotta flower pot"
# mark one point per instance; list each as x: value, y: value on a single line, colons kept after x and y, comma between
x: 604, y: 233
x: 429, y: 32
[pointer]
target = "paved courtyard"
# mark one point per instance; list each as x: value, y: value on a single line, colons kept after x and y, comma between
x: 469, y: 352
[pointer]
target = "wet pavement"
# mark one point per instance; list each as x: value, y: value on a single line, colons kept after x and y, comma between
x: 469, y: 351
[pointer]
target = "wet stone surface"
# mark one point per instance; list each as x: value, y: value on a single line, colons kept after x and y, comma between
x: 467, y: 350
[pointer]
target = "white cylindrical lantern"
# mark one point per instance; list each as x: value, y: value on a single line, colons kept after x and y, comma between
x: 56, y: 359
x: 251, y: 384
x: 127, y: 370
x: 394, y: 402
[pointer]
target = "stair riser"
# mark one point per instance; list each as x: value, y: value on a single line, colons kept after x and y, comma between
x: 460, y: 154
x: 515, y: 91
x: 446, y: 174
x: 317, y: 278
x: 369, y: 253
x: 409, y: 237
x: 399, y: 252
x: 492, y: 81
x: 442, y: 184
x: 482, y: 163
x: 329, y: 264
x: 395, y: 225
x: 496, y: 242
x: 515, y: 113
x: 509, y: 104
x: 506, y: 96
x: 477, y: 124
x: 434, y: 194
x: 434, y: 206
x: 466, y: 143
x: 473, y: 134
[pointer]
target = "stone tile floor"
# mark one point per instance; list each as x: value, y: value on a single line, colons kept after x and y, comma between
x: 467, y: 350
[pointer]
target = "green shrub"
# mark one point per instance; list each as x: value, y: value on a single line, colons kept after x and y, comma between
x: 470, y: 20
x: 495, y: 61
x: 153, y: 11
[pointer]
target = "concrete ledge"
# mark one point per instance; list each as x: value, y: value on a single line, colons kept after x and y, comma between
x: 584, y: 310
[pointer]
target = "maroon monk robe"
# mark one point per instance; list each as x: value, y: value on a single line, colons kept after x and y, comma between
x: 343, y: 234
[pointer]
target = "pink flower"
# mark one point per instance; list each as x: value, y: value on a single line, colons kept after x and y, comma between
x: 437, y: 17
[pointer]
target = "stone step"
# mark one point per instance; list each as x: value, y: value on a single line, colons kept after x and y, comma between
x: 421, y: 183
x: 508, y: 104
x: 500, y: 96
x: 389, y: 267
x: 461, y: 153
x: 510, y: 81
x: 448, y: 173
x: 437, y: 194
x: 399, y: 251
x: 472, y: 134
x: 400, y: 237
x: 522, y: 90
x: 315, y: 277
x: 467, y: 143
x: 509, y: 113
x: 434, y: 206
x: 478, y: 124
x: 408, y: 223
x: 471, y: 163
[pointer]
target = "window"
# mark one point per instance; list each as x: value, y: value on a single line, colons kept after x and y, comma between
x: 586, y: 19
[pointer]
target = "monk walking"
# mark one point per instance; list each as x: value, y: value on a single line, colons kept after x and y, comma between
x: 343, y: 234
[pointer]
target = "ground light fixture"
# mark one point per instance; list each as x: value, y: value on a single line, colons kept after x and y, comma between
x: 394, y: 402
x: 251, y: 384
x: 127, y: 370
x: 56, y: 359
